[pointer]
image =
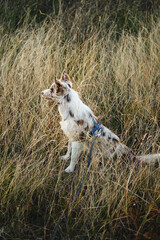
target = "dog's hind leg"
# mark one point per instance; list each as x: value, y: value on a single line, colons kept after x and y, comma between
x: 76, y: 152
x: 68, y: 153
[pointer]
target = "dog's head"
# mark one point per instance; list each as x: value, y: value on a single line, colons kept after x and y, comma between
x: 59, y: 88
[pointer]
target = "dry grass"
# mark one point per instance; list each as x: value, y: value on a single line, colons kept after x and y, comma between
x: 118, y: 79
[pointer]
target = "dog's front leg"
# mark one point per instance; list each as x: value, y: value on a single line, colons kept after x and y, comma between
x: 76, y: 152
x: 68, y: 153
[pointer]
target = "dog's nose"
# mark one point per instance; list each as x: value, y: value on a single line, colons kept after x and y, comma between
x: 42, y: 93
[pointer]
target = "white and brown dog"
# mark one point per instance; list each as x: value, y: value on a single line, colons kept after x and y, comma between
x: 78, y: 120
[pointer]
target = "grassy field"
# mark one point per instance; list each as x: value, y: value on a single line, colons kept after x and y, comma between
x: 119, y: 78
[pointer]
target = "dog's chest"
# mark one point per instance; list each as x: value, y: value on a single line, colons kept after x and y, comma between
x: 64, y: 111
x: 68, y: 123
x: 70, y: 128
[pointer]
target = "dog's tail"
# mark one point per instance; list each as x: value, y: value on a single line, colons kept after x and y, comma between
x: 150, y: 159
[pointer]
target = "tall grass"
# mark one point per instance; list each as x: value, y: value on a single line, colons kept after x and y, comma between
x: 118, y: 79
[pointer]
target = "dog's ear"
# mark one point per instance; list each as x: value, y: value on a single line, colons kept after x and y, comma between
x: 65, y: 77
x: 58, y: 82
x: 60, y: 87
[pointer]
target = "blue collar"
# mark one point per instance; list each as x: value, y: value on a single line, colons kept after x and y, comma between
x: 96, y: 127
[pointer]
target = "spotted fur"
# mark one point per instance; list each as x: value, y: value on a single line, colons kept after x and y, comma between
x: 80, y: 122
x: 71, y: 113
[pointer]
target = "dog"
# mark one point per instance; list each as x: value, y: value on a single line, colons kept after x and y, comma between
x: 78, y: 120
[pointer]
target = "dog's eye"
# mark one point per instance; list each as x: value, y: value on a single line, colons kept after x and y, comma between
x: 51, y: 89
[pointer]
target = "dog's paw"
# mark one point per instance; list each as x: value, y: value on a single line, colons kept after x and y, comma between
x: 69, y: 169
x: 64, y: 158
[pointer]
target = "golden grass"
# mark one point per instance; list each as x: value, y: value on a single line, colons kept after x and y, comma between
x: 118, y: 79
